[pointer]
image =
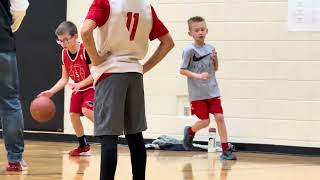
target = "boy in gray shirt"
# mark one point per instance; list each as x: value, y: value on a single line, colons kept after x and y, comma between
x: 199, y: 64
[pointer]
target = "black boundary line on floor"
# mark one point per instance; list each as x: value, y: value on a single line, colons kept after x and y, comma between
x: 244, y: 147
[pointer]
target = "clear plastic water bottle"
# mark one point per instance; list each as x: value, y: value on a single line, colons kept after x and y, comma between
x: 212, y: 140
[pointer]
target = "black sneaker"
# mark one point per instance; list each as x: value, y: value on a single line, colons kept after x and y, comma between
x: 228, y: 155
x: 187, y: 139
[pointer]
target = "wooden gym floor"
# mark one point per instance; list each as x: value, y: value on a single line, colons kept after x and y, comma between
x: 50, y: 161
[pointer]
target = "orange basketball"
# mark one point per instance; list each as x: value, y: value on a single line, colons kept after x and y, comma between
x: 42, y: 109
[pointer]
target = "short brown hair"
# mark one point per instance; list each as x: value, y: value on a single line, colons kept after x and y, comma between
x: 66, y: 27
x: 195, y: 19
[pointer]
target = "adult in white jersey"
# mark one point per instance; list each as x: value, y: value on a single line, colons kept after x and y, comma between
x: 124, y: 30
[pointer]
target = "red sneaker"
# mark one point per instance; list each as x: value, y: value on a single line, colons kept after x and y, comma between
x: 16, y: 166
x: 80, y: 151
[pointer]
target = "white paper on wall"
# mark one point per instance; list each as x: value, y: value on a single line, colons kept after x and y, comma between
x: 304, y: 15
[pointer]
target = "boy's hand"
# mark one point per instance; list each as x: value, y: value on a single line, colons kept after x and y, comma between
x: 75, y: 86
x: 46, y: 93
x: 214, y: 55
x: 215, y: 60
x: 102, y: 57
x: 203, y: 76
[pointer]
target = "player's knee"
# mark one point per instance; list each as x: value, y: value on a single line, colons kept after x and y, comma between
x: 205, y: 122
x: 85, y: 111
x: 219, y: 117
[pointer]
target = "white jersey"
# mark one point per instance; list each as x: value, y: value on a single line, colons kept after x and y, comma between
x: 125, y: 35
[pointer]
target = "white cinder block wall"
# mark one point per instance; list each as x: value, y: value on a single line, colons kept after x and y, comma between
x: 269, y: 77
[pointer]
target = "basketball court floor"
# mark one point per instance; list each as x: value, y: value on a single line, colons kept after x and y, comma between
x: 50, y: 161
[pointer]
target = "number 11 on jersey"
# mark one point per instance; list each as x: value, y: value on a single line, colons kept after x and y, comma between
x: 133, y: 30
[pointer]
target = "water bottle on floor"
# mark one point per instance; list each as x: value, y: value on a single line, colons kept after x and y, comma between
x: 212, y: 140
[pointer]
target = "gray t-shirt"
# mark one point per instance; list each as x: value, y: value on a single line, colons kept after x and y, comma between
x: 198, y: 59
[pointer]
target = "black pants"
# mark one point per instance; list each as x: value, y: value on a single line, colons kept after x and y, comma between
x: 109, y: 156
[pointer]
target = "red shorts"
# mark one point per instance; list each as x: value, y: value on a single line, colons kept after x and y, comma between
x: 81, y: 99
x: 202, y: 108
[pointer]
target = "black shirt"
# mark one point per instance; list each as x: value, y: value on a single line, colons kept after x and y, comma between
x: 7, y: 40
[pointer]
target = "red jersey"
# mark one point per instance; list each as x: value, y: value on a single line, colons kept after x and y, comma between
x: 77, y: 68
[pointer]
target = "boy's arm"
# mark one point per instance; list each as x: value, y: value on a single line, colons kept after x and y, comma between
x: 58, y: 86
x: 166, y: 44
x: 62, y: 81
x: 18, y: 10
x: 190, y: 74
x: 215, y: 60
x: 186, y: 57
x: 88, y: 41
x: 97, y: 15
x: 86, y: 82
x: 160, y: 32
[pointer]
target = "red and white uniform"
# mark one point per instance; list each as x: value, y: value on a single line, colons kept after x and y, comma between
x: 78, y: 70
x: 125, y: 32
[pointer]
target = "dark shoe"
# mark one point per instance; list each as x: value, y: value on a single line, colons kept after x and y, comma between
x: 187, y: 139
x: 228, y: 155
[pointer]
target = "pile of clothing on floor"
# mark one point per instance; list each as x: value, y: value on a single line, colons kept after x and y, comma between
x: 169, y: 143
